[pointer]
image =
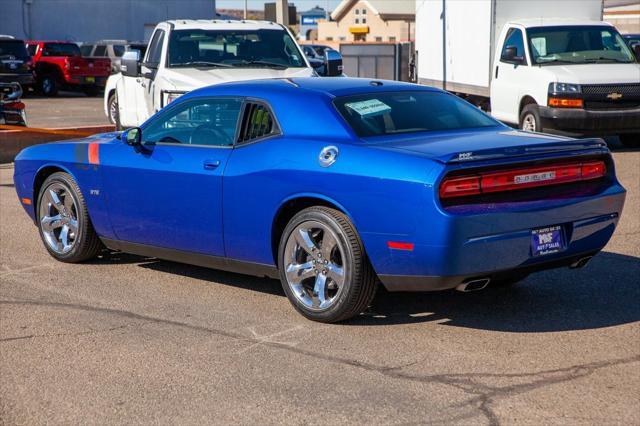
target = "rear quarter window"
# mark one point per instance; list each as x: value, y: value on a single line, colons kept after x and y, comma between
x: 385, y: 113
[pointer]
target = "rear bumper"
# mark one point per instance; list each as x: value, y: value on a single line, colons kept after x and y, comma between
x: 469, y: 245
x: 23, y: 79
x: 590, y: 122
x: 86, y: 81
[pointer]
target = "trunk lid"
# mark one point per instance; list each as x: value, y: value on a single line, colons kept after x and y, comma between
x: 481, y: 145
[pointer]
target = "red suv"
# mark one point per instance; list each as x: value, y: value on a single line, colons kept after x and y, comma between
x: 58, y: 64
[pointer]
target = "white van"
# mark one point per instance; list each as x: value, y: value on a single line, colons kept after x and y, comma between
x: 532, y: 66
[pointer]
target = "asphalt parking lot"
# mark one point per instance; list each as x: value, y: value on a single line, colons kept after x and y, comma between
x: 68, y: 109
x: 125, y: 339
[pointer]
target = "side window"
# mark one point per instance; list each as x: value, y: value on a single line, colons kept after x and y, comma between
x: 155, y: 48
x: 257, y: 122
x: 85, y: 49
x: 118, y: 50
x: 31, y: 48
x: 201, y: 122
x: 514, y: 38
x: 101, y: 50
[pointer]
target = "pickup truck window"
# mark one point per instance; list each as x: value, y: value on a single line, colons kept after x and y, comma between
x: 577, y: 45
x: 100, y: 51
x: 514, y: 38
x: 210, y: 122
x: 61, y: 49
x: 86, y: 49
x: 15, y: 48
x: 387, y: 113
x: 155, y: 48
x: 226, y: 48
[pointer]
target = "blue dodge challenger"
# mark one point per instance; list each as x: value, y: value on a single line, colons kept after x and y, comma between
x: 330, y: 185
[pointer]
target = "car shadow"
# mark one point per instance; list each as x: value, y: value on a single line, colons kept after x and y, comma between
x: 603, y: 294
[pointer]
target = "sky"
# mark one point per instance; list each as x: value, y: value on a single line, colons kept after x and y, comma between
x: 301, y: 5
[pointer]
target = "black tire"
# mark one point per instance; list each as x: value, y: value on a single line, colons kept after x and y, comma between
x: 507, y: 281
x: 48, y: 85
x: 360, y: 279
x: 530, y: 118
x: 114, y: 117
x: 87, y: 244
x: 631, y: 140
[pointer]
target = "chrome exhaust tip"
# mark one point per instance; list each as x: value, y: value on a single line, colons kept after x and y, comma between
x: 473, y: 285
x: 581, y: 263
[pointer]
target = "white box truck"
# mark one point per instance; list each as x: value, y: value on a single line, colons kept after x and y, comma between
x: 542, y: 65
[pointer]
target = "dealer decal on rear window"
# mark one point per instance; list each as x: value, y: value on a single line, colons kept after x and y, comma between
x: 369, y: 107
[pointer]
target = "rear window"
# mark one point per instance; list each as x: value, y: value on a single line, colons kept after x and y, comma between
x: 61, y: 49
x: 385, y: 113
x: 15, y: 48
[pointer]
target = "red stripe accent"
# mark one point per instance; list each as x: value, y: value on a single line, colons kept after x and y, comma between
x: 397, y: 245
x: 94, y: 153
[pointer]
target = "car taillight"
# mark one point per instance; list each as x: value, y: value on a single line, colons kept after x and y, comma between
x: 515, y: 179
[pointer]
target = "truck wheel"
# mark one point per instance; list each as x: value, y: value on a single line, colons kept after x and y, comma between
x: 631, y: 140
x: 530, y: 119
x: 63, y: 220
x: 114, y: 114
x: 48, y: 85
x: 323, y: 266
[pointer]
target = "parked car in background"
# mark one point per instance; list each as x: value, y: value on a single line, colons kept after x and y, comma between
x: 15, y: 62
x: 632, y: 40
x: 12, y: 109
x: 112, y: 49
x: 315, y: 51
x: 188, y: 54
x: 59, y: 64
x: 532, y: 69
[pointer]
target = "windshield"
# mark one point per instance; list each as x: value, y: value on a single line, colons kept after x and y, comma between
x: 385, y: 113
x: 61, y: 49
x: 577, y: 45
x: 259, y: 48
x: 15, y: 48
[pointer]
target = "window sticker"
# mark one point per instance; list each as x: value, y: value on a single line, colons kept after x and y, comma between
x: 369, y: 108
x: 540, y: 45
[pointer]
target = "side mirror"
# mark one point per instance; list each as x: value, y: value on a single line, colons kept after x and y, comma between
x: 130, y: 63
x: 332, y: 63
x: 509, y: 56
x: 133, y: 136
x: 636, y: 51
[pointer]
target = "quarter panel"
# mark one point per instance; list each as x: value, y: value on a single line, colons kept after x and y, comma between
x: 381, y: 191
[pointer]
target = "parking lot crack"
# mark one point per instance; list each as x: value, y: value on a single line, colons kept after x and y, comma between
x: 484, y: 394
x: 81, y: 333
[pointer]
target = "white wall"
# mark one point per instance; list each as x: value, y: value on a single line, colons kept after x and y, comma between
x: 90, y: 20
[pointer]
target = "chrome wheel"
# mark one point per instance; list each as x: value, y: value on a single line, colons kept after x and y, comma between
x: 315, y: 267
x: 59, y: 218
x: 529, y: 123
x: 113, y: 110
x: 47, y: 85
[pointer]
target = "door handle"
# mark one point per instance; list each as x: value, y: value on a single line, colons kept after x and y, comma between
x: 211, y: 164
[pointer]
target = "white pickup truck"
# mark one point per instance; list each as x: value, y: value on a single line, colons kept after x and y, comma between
x: 184, y: 55
x: 532, y: 64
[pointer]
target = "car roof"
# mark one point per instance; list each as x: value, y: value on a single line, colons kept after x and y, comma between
x: 328, y: 86
x: 555, y: 22
x: 223, y: 24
